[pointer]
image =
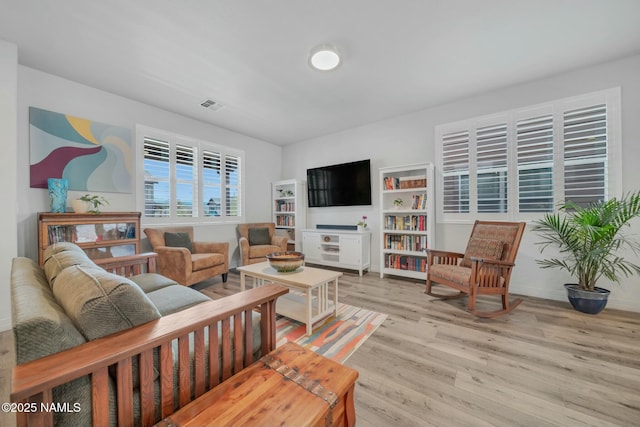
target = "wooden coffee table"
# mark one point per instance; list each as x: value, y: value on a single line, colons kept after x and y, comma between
x: 309, y: 300
x: 289, y: 387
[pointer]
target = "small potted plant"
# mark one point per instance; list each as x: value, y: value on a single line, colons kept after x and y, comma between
x: 89, y: 203
x: 362, y: 224
x: 398, y: 203
x: 589, y: 239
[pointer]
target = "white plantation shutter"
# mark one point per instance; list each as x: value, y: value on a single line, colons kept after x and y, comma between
x: 534, y: 141
x: 186, y: 181
x: 157, y: 169
x: 211, y: 183
x: 455, y: 171
x: 491, y: 162
x: 232, y: 185
x: 527, y: 161
x: 585, y: 154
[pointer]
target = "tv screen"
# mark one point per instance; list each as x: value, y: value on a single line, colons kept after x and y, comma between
x: 346, y: 184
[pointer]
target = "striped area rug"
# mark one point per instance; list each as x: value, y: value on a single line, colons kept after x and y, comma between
x: 336, y: 337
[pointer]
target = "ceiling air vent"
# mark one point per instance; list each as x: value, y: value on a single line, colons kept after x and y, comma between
x: 211, y: 104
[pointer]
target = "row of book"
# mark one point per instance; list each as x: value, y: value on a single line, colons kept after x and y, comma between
x: 405, y: 182
x: 285, y: 220
x: 419, y: 201
x: 405, y: 242
x: 62, y: 233
x: 282, y: 206
x: 405, y: 222
x: 86, y: 233
x: 404, y: 262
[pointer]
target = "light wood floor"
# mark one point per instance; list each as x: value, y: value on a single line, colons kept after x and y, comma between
x: 433, y: 364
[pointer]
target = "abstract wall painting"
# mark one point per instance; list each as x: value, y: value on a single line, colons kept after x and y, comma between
x: 92, y: 156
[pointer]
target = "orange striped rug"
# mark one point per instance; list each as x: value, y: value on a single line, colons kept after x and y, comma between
x: 336, y: 337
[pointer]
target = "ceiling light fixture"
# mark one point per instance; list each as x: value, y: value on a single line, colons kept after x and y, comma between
x: 324, y: 57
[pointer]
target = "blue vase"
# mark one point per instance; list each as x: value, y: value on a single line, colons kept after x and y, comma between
x: 58, y: 194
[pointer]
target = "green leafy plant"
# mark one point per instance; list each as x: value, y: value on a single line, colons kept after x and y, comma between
x: 95, y: 202
x: 589, y: 239
x: 398, y: 202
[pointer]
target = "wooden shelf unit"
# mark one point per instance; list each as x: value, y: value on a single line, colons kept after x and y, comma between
x: 407, y: 230
x: 102, y: 235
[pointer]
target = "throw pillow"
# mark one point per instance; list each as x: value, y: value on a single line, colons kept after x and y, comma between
x: 259, y: 236
x: 482, y: 248
x: 178, y: 240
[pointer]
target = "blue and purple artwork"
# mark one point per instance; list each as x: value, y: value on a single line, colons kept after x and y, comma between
x: 91, y: 156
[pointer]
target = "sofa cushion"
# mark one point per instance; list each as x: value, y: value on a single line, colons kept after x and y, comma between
x: 172, y: 299
x: 259, y: 236
x: 482, y: 248
x: 150, y: 282
x: 40, y: 324
x: 59, y: 256
x: 102, y: 303
x: 178, y: 240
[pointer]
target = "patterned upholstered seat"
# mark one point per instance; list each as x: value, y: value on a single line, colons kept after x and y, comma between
x: 484, y: 268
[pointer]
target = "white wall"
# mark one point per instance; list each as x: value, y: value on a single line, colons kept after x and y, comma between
x: 410, y: 139
x: 8, y: 168
x: 38, y: 89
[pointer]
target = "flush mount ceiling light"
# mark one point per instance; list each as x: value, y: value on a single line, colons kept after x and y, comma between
x: 324, y: 57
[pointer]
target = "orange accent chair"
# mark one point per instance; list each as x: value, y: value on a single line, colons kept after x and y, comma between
x: 184, y: 260
x: 259, y: 239
x: 484, y: 269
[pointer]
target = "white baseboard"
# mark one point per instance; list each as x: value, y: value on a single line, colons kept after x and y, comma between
x: 5, y: 324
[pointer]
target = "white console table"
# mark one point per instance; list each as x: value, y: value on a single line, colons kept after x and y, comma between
x: 338, y: 248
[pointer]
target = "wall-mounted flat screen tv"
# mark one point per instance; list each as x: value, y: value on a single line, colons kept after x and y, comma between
x: 346, y: 184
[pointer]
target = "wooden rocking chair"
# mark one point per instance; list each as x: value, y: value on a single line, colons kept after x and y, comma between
x: 484, y: 268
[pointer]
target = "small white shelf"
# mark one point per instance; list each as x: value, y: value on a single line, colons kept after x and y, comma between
x: 289, y: 209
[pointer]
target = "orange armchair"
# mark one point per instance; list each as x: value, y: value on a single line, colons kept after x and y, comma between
x: 257, y: 240
x: 188, y: 265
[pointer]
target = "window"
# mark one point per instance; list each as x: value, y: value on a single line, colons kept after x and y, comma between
x: 521, y: 163
x: 188, y: 181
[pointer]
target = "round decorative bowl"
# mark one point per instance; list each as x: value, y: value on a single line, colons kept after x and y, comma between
x: 286, y: 262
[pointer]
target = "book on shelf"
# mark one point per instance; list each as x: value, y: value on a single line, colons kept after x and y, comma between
x: 405, y: 242
x: 405, y: 262
x: 413, y: 182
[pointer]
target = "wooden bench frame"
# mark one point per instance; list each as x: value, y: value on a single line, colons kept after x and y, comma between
x: 32, y: 382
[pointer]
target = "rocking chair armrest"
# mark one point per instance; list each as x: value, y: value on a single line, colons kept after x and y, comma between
x: 494, y: 262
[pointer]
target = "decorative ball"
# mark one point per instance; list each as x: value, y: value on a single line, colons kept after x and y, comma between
x: 286, y: 262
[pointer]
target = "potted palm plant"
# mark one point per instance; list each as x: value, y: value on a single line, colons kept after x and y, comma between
x: 589, y: 240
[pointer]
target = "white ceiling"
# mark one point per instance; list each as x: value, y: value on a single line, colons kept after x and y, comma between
x: 399, y: 56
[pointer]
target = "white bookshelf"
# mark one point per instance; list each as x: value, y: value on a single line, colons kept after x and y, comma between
x: 406, y: 231
x: 289, y: 210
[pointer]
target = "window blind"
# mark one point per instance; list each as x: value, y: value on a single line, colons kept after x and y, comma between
x: 585, y: 154
x: 186, y: 181
x: 455, y: 170
x: 211, y: 183
x: 232, y: 187
x: 157, y: 195
x: 534, y: 140
x: 491, y: 161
